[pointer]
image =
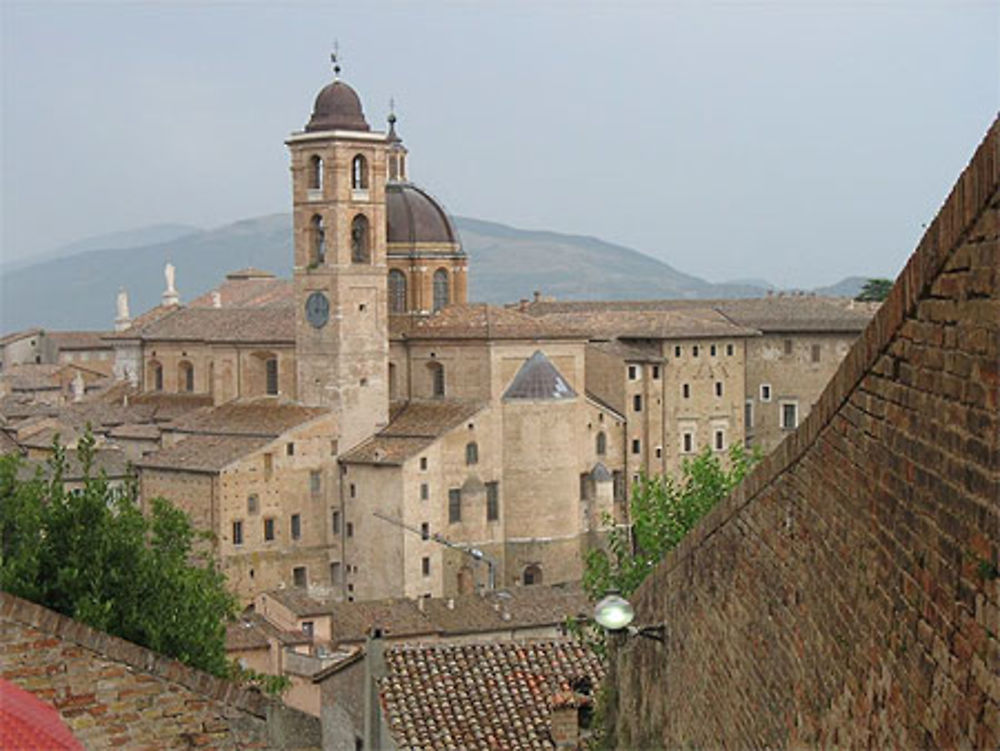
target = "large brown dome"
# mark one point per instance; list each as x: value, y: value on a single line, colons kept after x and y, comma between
x: 415, y: 217
x: 337, y: 107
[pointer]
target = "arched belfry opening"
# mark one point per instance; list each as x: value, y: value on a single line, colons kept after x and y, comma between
x: 360, y: 240
x: 317, y: 240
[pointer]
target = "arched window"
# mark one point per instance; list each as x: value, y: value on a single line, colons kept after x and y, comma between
x: 359, y: 240
x: 532, y: 575
x: 602, y: 444
x: 317, y: 250
x: 185, y: 376
x: 315, y: 172
x: 472, y: 453
x: 437, y: 379
x: 155, y: 376
x: 441, y: 293
x: 359, y: 173
x: 397, y: 291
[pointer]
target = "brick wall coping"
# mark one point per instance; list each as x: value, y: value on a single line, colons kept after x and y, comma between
x: 969, y: 198
x: 112, y: 648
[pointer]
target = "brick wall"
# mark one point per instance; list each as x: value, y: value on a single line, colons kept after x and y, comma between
x: 112, y: 693
x: 847, y: 594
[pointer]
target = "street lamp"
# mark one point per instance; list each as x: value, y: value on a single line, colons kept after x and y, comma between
x: 615, y: 614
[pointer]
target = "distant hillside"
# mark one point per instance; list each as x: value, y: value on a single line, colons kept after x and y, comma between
x: 847, y: 287
x: 78, y: 290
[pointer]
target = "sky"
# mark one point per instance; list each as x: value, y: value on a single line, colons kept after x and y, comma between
x: 796, y: 142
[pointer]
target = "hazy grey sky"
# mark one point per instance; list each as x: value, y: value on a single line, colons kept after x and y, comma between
x: 794, y: 141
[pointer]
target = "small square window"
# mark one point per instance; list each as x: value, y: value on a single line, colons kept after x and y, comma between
x: 299, y: 578
x: 350, y: 529
x: 471, y: 453
x: 686, y: 390
x: 765, y: 392
x: 729, y: 350
x: 789, y: 415
x: 425, y: 531
x: 425, y: 491
x: 720, y: 440
x: 688, y: 443
x: 659, y: 452
x: 237, y: 532
x: 637, y: 403
x: 335, y: 522
x: 425, y: 566
x: 632, y: 372
x: 677, y: 351
x: 656, y: 372
x: 423, y: 462
x: 636, y: 446
x: 290, y: 449
x: 253, y: 503
x: 296, y: 526
x: 353, y: 491
x: 718, y: 388
x: 307, y: 628
x: 712, y: 350
x: 268, y: 530
x: 694, y: 350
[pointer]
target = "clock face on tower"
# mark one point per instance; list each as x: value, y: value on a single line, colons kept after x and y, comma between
x: 317, y: 310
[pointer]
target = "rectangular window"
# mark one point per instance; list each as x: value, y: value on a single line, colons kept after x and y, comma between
x: 290, y: 449
x: 686, y: 390
x: 636, y: 446
x: 423, y: 462
x: 237, y: 532
x: 748, y: 414
x: 271, y: 368
x: 335, y: 573
x: 659, y: 452
x: 352, y: 491
x: 425, y: 491
x: 688, y: 442
x: 425, y: 531
x: 253, y: 503
x: 492, y: 501
x: 307, y: 628
x: 677, y: 351
x: 296, y: 526
x: 268, y: 466
x: 729, y: 350
x: 633, y: 372
x: 637, y: 403
x: 694, y: 350
x: 788, y: 346
x: 350, y: 529
x: 335, y: 522
x: 720, y: 439
x: 454, y: 505
x: 656, y: 372
x: 712, y: 350
x: 299, y: 578
x: 425, y: 566
x: 789, y: 415
x: 584, y: 486
x: 815, y: 353
x: 315, y: 483
x: 765, y: 392
x: 268, y: 530
x: 718, y: 388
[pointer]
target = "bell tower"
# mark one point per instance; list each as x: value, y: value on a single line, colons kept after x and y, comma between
x: 338, y: 170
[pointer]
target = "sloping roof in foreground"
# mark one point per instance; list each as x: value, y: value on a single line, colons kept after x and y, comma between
x: 480, y: 696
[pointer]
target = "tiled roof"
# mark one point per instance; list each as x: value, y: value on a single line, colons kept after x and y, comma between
x: 33, y: 376
x: 112, y: 462
x: 19, y: 406
x: 203, y: 453
x: 482, y: 321
x: 274, y: 324
x: 68, y: 340
x: 264, y: 417
x: 479, y: 696
x: 774, y: 313
x: 252, y: 631
x: 538, y: 378
x: 249, y: 288
x: 300, y: 602
x: 397, y: 618
x: 27, y: 723
x: 630, y: 351
x: 141, y: 321
x: 135, y: 432
x: 413, y: 426
x: 611, y: 322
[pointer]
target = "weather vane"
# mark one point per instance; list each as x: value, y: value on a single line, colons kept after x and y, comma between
x: 335, y: 59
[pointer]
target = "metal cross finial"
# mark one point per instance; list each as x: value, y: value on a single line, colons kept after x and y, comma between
x: 335, y: 59
x: 392, y: 111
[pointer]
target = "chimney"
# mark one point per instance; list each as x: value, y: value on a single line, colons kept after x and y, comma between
x: 565, y: 728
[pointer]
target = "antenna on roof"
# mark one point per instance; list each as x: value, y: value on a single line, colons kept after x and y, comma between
x: 335, y: 59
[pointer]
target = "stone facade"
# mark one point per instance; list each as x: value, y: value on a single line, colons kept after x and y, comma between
x: 847, y: 594
x: 112, y: 693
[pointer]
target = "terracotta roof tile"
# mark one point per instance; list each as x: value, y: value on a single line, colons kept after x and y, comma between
x: 112, y: 462
x: 266, y: 417
x: 70, y: 340
x: 249, y: 288
x: 274, y: 324
x: 413, y: 426
x: 481, y: 321
x: 611, y: 322
x: 480, y: 696
x: 203, y: 453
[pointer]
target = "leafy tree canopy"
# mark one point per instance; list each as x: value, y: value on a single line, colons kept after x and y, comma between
x: 662, y: 510
x: 874, y: 290
x: 93, y: 555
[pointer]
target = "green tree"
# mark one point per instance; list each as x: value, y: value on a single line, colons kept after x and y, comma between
x: 94, y: 556
x: 662, y: 510
x: 874, y: 290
